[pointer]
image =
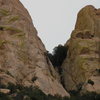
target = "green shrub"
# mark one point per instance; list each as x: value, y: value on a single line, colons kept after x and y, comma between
x: 58, y: 56
x: 5, y: 97
x: 19, y: 92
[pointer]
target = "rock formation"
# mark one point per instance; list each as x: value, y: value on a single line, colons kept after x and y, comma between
x: 81, y: 68
x: 23, y: 58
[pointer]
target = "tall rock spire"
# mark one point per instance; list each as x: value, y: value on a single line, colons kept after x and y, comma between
x: 82, y: 64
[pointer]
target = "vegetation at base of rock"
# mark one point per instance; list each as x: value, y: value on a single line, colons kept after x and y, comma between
x: 87, y: 96
x: 5, y: 97
x: 19, y: 92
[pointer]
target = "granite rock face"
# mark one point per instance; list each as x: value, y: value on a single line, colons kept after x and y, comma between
x: 23, y: 58
x: 81, y: 68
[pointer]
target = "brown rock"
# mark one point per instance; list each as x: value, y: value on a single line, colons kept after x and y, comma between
x: 5, y: 91
x: 83, y: 60
x: 23, y: 58
x: 93, y: 85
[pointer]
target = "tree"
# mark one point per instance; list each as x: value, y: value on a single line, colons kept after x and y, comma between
x: 58, y: 56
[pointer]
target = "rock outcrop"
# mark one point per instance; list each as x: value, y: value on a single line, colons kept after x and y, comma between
x: 5, y: 91
x: 23, y: 58
x: 81, y: 68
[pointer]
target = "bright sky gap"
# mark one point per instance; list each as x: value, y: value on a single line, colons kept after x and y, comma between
x: 55, y: 19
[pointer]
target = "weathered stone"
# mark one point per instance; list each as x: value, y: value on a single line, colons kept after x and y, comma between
x: 93, y: 85
x: 22, y: 54
x: 83, y: 58
x: 5, y: 91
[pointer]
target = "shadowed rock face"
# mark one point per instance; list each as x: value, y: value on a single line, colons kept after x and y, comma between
x: 23, y: 58
x: 83, y: 61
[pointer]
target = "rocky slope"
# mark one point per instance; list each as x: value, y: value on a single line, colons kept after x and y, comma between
x: 23, y: 58
x: 81, y: 68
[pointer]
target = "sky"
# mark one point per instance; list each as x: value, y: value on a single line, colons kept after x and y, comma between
x: 55, y: 19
